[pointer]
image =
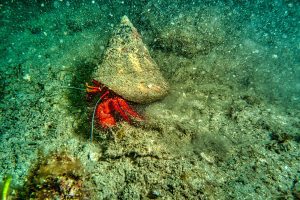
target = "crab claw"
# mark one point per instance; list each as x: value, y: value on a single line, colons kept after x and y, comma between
x: 111, y: 108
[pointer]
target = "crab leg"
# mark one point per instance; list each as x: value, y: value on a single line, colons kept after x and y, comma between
x: 118, y: 107
x: 125, y: 107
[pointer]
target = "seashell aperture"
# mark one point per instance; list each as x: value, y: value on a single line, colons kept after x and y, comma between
x: 128, y: 69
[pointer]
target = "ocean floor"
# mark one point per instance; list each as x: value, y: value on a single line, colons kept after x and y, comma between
x: 229, y: 127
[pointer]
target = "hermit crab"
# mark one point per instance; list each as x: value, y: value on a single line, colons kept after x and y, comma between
x: 110, y: 105
x: 127, y: 72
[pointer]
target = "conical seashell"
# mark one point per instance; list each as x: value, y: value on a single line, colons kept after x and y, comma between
x: 128, y: 68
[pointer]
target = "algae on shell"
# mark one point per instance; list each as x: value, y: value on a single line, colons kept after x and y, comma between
x: 128, y: 69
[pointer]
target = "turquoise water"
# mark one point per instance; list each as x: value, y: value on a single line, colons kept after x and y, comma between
x: 227, y: 129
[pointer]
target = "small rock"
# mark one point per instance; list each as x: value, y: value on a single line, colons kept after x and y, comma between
x: 153, y: 194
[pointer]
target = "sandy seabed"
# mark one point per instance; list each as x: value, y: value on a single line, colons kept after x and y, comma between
x: 228, y: 129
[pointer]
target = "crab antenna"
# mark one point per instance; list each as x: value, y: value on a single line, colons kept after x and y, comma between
x: 93, y: 118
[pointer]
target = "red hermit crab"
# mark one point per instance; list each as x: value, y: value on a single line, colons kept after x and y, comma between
x: 110, y: 105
